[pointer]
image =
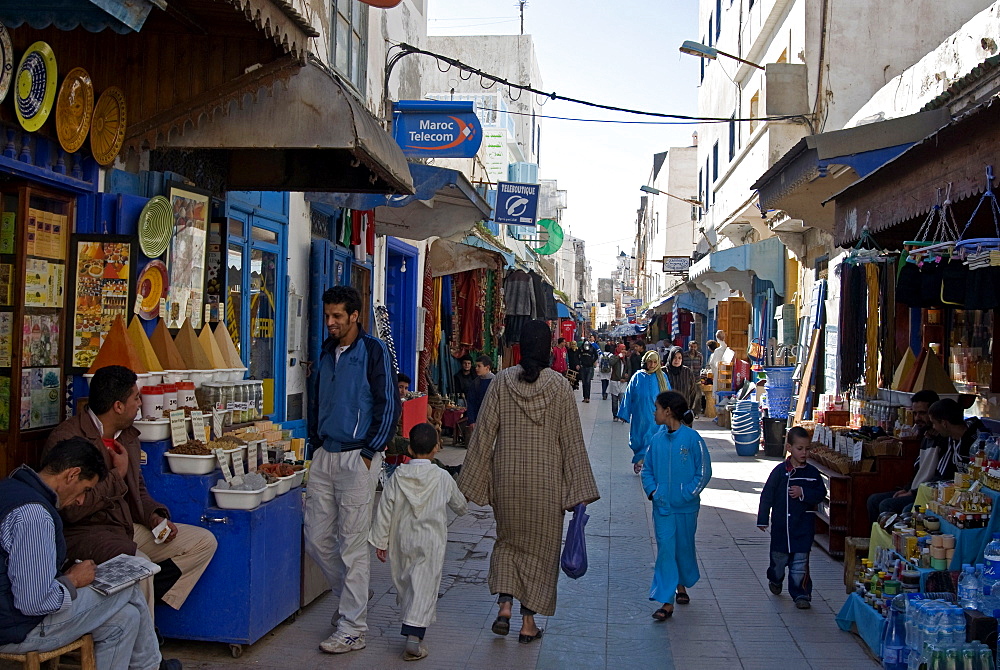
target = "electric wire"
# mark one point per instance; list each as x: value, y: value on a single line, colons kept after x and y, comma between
x: 407, y: 49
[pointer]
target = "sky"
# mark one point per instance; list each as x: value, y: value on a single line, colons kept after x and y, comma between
x: 622, y: 53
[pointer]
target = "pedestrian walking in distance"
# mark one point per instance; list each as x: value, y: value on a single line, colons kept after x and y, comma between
x: 355, y: 418
x: 638, y: 405
x: 790, y: 496
x: 677, y: 469
x: 527, y: 459
x: 411, y: 530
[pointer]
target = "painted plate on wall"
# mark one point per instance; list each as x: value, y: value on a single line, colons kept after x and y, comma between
x: 156, y: 225
x: 150, y: 287
x: 74, y: 109
x: 35, y: 86
x: 6, y: 61
x: 107, y: 131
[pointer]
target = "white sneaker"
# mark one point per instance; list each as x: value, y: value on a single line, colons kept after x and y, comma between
x: 341, y: 643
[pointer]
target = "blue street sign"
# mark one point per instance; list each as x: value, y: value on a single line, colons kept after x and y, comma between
x: 439, y: 128
x: 630, y: 311
x: 517, y: 204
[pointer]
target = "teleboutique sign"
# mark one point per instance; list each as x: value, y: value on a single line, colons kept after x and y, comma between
x: 441, y: 128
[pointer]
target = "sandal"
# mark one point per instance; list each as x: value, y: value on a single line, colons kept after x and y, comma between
x: 662, y: 614
x: 528, y: 639
x: 501, y: 625
x: 682, y: 598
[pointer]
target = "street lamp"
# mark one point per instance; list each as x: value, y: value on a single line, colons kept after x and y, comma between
x: 711, y: 53
x: 656, y: 191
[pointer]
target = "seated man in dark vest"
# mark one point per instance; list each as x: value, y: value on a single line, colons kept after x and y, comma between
x: 43, y: 608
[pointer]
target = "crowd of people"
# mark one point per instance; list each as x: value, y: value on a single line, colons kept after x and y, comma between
x: 527, y: 459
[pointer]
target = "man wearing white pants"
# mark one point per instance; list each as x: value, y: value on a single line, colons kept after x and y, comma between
x: 356, y: 413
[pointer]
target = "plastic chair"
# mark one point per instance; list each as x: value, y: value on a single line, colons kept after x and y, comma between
x: 33, y: 660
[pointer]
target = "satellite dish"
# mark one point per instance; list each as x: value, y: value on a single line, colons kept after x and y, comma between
x: 555, y: 240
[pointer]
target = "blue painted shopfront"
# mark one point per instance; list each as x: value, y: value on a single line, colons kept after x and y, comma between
x: 401, y: 270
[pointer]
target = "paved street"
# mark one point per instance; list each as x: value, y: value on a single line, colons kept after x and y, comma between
x: 603, y: 620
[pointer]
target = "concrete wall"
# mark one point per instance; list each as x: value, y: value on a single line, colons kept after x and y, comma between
x: 679, y: 176
x: 952, y: 59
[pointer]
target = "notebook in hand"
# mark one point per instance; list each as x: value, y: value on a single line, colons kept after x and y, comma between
x: 121, y: 572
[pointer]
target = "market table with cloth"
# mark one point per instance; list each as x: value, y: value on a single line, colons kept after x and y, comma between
x: 969, y: 542
x: 868, y: 623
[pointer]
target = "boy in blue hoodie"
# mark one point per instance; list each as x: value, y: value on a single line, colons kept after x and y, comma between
x: 790, y: 496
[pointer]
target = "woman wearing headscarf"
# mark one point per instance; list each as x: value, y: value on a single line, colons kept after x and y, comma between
x: 681, y: 377
x: 620, y: 373
x: 573, y: 360
x: 638, y: 405
x: 528, y: 460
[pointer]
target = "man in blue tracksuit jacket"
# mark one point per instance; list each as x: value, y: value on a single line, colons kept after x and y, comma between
x: 357, y: 410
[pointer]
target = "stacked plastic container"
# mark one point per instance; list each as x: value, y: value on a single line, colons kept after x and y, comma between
x: 746, y: 427
x: 779, y: 391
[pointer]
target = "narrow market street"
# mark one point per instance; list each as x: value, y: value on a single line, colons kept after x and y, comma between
x: 603, y: 620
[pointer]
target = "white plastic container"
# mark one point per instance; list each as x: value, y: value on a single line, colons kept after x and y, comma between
x: 174, y: 376
x: 153, y: 431
x: 237, y: 374
x: 299, y: 476
x: 270, y: 492
x: 227, y: 499
x: 235, y: 450
x: 285, y: 484
x: 189, y: 464
x: 199, y: 377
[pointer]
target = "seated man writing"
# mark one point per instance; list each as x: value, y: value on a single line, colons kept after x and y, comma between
x: 117, y: 515
x: 42, y: 608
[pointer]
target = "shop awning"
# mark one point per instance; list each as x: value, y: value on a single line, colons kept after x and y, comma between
x: 563, y: 311
x: 686, y: 297
x: 121, y: 16
x: 309, y: 134
x: 765, y: 259
x: 806, y: 175
x: 471, y: 252
x: 952, y: 160
x: 444, y: 203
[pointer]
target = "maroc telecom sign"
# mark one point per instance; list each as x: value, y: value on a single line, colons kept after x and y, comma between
x: 441, y: 128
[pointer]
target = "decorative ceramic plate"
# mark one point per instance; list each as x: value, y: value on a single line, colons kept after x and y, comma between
x: 107, y: 132
x: 35, y: 86
x: 156, y: 225
x: 74, y: 109
x: 151, y: 286
x: 6, y: 61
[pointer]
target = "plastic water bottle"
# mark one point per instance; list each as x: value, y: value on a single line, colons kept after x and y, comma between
x: 992, y: 449
x: 991, y: 565
x: 894, y: 650
x: 968, y: 589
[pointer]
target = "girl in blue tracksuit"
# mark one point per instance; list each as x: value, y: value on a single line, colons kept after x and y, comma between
x: 676, y: 470
x: 790, y: 496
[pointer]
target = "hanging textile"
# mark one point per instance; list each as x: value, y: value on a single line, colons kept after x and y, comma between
x: 871, y: 330
x: 430, y: 318
x: 383, y: 329
x: 887, y: 322
x: 345, y: 227
x: 852, y: 329
x: 675, y: 322
x: 368, y: 217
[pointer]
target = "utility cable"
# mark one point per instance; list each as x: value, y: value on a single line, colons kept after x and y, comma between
x: 407, y: 49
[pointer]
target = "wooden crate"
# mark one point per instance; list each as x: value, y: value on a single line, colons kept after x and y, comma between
x: 855, y: 549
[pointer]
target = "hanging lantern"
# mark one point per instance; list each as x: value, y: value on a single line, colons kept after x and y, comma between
x: 382, y: 4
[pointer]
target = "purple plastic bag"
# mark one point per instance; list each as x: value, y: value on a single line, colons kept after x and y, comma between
x: 574, y: 554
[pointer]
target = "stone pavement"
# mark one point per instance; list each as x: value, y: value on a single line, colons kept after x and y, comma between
x: 603, y: 620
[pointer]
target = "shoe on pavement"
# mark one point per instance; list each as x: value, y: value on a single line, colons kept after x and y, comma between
x: 341, y: 643
x: 802, y: 604
x: 774, y: 588
x: 415, y: 650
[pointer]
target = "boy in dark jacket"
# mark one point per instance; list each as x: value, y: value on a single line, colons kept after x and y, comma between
x: 790, y: 496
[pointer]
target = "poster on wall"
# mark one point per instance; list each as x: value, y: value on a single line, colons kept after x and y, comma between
x: 102, y: 268
x: 186, y: 262
x: 39, y: 398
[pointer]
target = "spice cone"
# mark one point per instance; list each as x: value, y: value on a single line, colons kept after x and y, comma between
x: 141, y: 343
x: 166, y: 350
x: 118, y: 350
x: 226, y: 346
x: 207, y: 341
x: 191, y: 350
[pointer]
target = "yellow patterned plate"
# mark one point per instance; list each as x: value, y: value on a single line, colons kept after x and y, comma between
x: 156, y: 225
x: 35, y: 86
x: 74, y: 109
x: 107, y: 131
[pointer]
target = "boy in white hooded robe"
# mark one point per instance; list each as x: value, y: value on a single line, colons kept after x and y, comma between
x: 411, y: 529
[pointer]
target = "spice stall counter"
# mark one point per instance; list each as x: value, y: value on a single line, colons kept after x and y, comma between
x: 253, y: 582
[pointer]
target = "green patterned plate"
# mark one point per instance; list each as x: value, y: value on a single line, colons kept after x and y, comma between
x: 156, y: 225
